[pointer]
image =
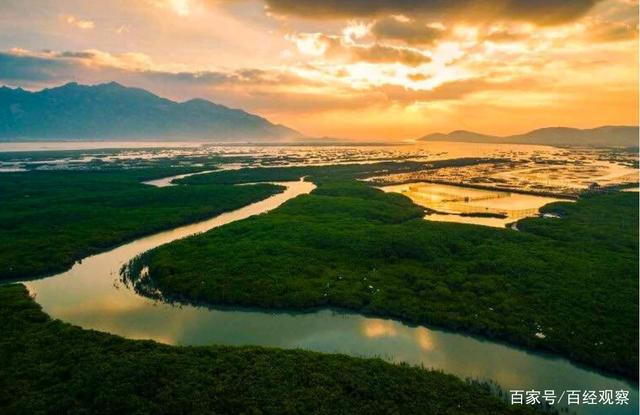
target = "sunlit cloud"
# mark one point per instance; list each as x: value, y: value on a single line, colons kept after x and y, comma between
x: 179, y: 7
x: 313, y: 44
x: 355, y: 30
x: 384, y: 69
x: 345, y: 49
x: 79, y: 23
x: 607, y: 31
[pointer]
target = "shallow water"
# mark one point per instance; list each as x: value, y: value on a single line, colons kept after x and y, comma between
x: 168, y: 181
x: 90, y: 295
x: 456, y: 200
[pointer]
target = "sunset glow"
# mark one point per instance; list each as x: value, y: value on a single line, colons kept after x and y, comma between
x: 396, y: 70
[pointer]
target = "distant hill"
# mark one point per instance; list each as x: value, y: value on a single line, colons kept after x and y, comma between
x: 112, y: 111
x: 608, y: 136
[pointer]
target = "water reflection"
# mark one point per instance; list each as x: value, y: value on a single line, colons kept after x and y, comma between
x: 424, y: 339
x: 459, y: 204
x: 89, y: 295
x: 378, y: 328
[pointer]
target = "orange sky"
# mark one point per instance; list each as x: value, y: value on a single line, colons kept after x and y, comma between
x: 392, y: 69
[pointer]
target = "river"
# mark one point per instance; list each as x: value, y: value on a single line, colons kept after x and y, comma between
x: 91, y: 295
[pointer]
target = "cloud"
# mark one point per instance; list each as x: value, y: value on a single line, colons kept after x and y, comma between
x: 456, y: 90
x: 271, y: 91
x: 262, y: 91
x: 378, y: 53
x: 417, y: 77
x: 48, y: 68
x: 544, y: 12
x: 187, y: 78
x: 605, y: 31
x: 180, y: 7
x: 20, y: 67
x: 504, y: 35
x: 79, y: 23
x: 93, y: 66
x: 339, y: 48
x: 412, y: 32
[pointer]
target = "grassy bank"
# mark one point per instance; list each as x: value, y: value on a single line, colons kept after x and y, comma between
x: 563, y: 285
x: 49, y: 367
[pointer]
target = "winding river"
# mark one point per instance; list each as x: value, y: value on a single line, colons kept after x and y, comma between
x: 90, y: 295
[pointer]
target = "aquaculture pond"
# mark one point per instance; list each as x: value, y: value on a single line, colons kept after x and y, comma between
x: 471, y: 205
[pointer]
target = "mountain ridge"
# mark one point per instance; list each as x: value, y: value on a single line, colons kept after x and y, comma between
x: 113, y: 111
x: 604, y: 136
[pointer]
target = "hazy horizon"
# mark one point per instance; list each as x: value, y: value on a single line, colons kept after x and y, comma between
x: 305, y: 138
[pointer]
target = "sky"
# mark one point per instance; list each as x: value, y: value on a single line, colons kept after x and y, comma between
x: 366, y: 69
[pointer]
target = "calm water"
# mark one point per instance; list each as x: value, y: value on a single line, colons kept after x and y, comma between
x: 454, y: 200
x: 91, y: 296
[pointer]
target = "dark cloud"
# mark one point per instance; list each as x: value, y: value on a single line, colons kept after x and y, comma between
x: 17, y: 67
x: 536, y: 11
x: 191, y: 78
x: 86, y: 67
x: 83, y: 67
x: 412, y: 32
x: 80, y: 55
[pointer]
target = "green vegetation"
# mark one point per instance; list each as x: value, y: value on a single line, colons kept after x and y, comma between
x: 112, y: 158
x: 50, y: 219
x: 563, y: 285
x: 484, y: 215
x: 49, y: 367
x: 326, y: 173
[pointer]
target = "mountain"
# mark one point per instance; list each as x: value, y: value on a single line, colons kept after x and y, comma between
x: 113, y: 111
x: 607, y: 136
